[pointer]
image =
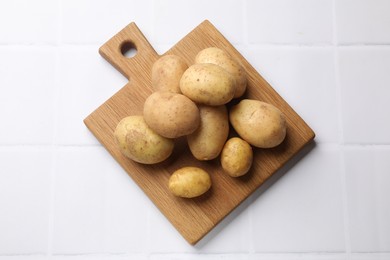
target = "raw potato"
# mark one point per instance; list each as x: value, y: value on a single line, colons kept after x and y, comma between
x: 207, y: 141
x: 170, y: 114
x: 259, y: 123
x: 221, y: 58
x: 166, y: 73
x: 189, y: 182
x: 208, y: 84
x: 140, y: 143
x: 236, y: 157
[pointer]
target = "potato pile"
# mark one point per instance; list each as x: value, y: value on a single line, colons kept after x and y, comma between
x: 190, y: 101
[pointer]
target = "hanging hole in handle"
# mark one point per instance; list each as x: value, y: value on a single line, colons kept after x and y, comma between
x: 128, y: 49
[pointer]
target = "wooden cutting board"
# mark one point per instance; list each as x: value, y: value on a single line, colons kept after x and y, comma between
x: 193, y: 218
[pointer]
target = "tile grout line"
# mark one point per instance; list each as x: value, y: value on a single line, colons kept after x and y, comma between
x: 245, y: 22
x: 66, y: 146
x: 148, y: 241
x: 60, y: 18
x: 245, y: 42
x: 251, y: 246
x: 347, y: 237
x: 55, y: 132
x: 284, y: 255
x: 266, y: 253
x: 54, y: 162
x: 151, y: 24
x: 343, y: 177
x: 49, y: 145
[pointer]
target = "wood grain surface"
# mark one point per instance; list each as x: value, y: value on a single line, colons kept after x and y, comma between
x: 193, y: 218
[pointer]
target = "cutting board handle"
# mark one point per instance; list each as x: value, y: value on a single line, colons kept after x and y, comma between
x: 131, y: 67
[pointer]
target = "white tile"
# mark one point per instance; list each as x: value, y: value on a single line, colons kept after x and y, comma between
x: 368, y: 180
x: 163, y: 237
x: 199, y: 256
x: 29, y: 21
x: 365, y: 79
x: 302, y: 211
x: 285, y: 21
x: 305, y: 78
x: 174, y: 19
x: 126, y: 208
x: 370, y: 256
x: 79, y: 200
x: 98, y: 208
x: 24, y: 257
x: 27, y: 87
x: 97, y: 257
x: 363, y: 21
x: 231, y: 235
x: 77, y: 257
x: 86, y: 81
x: 24, y: 200
x: 162, y: 48
x: 300, y: 256
x: 91, y: 21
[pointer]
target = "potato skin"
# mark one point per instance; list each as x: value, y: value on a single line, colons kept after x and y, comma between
x: 260, y: 124
x: 208, y: 84
x: 171, y: 114
x: 207, y: 141
x: 189, y: 182
x: 166, y: 73
x: 140, y: 143
x: 236, y: 157
x: 221, y: 58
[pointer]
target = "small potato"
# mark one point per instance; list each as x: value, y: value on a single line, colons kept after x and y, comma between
x: 236, y: 157
x: 207, y: 141
x: 221, y: 58
x: 140, y: 143
x: 166, y: 73
x: 208, y: 84
x: 259, y: 123
x: 189, y: 182
x: 170, y: 114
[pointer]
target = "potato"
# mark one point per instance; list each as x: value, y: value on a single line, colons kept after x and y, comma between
x: 208, y: 84
x: 221, y: 58
x: 171, y: 114
x: 189, y: 182
x: 166, y: 73
x: 207, y: 141
x: 259, y: 123
x: 236, y: 157
x: 140, y: 143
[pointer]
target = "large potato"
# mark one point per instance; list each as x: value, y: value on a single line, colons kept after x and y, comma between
x: 236, y: 157
x: 208, y: 84
x: 171, y: 114
x: 259, y: 123
x: 140, y: 143
x: 221, y: 58
x: 207, y: 141
x: 189, y: 182
x: 166, y: 73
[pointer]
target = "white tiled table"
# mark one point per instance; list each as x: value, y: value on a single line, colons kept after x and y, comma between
x: 63, y: 197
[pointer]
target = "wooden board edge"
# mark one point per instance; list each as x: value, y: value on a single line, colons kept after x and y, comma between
x: 191, y: 240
